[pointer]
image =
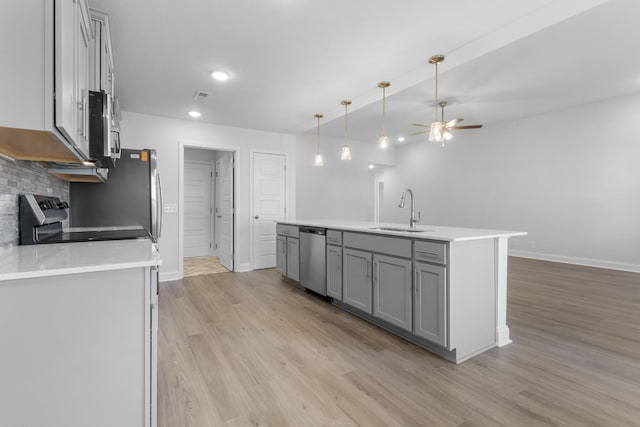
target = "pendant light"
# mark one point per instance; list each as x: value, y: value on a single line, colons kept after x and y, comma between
x: 436, y: 131
x: 384, y: 139
x: 346, y: 151
x: 318, y: 159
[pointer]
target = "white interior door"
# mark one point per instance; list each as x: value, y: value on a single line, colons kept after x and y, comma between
x: 268, y: 206
x: 224, y: 209
x: 197, y: 209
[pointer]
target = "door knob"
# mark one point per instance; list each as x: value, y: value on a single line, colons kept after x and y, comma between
x: 257, y: 216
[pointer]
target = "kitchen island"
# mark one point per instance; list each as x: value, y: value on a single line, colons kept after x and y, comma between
x: 443, y: 288
x: 78, y: 324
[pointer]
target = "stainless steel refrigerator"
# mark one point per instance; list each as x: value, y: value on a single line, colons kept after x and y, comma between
x: 131, y: 198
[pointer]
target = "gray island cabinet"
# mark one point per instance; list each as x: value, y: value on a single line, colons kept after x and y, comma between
x: 441, y: 288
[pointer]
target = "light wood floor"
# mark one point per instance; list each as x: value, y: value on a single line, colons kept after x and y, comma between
x: 245, y: 349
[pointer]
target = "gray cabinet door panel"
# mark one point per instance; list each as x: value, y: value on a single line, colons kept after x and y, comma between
x: 392, y: 290
x: 356, y: 279
x: 293, y: 259
x: 334, y: 272
x: 281, y: 255
x: 430, y: 303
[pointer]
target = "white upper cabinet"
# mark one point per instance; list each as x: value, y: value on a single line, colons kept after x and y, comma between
x: 44, y: 109
x: 73, y: 35
x: 101, y: 55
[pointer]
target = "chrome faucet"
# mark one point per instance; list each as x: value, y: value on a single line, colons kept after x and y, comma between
x: 412, y: 219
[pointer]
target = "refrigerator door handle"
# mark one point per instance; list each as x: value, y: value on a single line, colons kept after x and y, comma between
x: 160, y: 207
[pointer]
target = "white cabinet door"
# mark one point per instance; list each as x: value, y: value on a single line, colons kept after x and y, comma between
x: 72, y: 38
x: 293, y: 258
x: 334, y: 272
x: 356, y: 279
x: 84, y: 39
x: 430, y: 303
x: 281, y: 255
x: 392, y: 290
x: 66, y: 12
x: 101, y: 58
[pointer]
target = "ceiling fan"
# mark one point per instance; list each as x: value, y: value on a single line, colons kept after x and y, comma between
x: 447, y: 126
x: 439, y: 130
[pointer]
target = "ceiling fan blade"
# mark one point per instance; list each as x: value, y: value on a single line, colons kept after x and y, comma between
x: 420, y: 133
x: 467, y: 127
x: 451, y: 123
x: 421, y: 125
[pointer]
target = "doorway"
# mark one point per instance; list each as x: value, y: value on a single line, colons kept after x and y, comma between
x: 208, y: 211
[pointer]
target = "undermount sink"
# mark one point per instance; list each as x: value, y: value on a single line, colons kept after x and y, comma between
x: 403, y: 230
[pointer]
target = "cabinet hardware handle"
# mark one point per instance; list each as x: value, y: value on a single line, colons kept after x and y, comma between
x: 428, y: 254
x: 85, y: 117
x: 375, y: 267
x: 256, y: 217
x: 81, y: 111
x: 368, y: 268
x: 417, y: 281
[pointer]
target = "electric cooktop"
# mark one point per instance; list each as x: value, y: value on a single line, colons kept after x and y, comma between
x: 94, y: 236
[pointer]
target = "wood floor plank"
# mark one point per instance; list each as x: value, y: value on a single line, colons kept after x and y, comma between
x: 246, y: 349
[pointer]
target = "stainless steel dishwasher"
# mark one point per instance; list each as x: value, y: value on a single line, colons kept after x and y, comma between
x: 313, y: 259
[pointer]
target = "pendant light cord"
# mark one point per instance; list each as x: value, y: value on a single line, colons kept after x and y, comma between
x: 436, y: 106
x: 318, y: 143
x: 345, y: 124
x: 384, y: 112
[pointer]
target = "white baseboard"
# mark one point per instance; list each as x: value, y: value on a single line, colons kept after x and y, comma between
x: 167, y: 276
x: 612, y: 265
x: 502, y: 335
x: 241, y: 268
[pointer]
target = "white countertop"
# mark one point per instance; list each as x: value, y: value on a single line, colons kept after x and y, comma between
x: 431, y: 232
x: 21, y: 262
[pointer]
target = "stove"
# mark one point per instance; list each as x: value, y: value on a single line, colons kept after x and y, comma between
x: 41, y: 222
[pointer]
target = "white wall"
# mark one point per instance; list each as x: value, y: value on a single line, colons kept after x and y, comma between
x: 339, y: 189
x: 570, y: 178
x: 166, y: 136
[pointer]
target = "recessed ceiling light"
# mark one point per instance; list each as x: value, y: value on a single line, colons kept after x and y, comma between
x: 401, y: 139
x: 194, y: 114
x: 220, y: 75
x: 371, y: 165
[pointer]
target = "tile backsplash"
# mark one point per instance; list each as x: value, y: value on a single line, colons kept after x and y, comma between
x: 22, y: 177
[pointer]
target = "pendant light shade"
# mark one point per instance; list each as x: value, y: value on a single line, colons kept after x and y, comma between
x: 384, y: 139
x: 318, y: 158
x: 346, y: 151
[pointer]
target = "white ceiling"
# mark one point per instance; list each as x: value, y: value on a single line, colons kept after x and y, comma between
x: 290, y: 59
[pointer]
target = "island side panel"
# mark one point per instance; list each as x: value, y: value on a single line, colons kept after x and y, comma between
x: 73, y: 349
x: 502, y: 260
x: 472, y: 297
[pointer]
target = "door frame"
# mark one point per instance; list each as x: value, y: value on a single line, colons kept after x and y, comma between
x: 289, y: 211
x: 210, y: 147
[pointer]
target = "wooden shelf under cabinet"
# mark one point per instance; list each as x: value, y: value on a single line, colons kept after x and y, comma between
x: 36, y: 145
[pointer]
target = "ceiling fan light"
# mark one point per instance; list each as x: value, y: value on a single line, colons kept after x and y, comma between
x: 383, y: 141
x: 435, y: 133
x: 346, y: 153
x: 446, y: 135
x: 318, y: 160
